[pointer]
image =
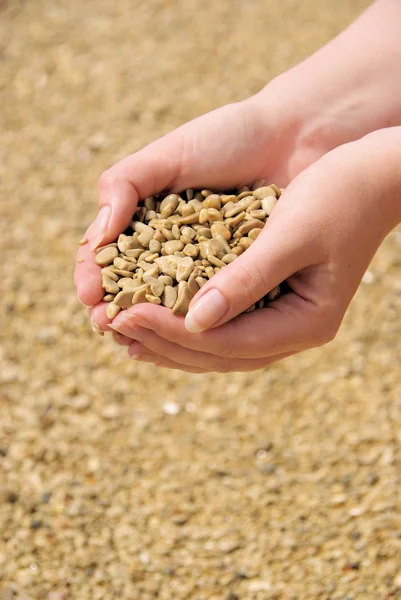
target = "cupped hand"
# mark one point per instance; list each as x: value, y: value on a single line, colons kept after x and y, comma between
x: 237, y: 143
x: 320, y: 237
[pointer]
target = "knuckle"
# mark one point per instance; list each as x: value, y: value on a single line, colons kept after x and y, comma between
x: 325, y: 330
x: 107, y: 179
x: 249, y: 280
x: 229, y: 346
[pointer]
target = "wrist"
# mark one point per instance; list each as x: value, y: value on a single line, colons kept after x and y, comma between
x: 371, y: 166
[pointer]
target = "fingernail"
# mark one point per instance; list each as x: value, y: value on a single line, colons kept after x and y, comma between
x: 206, y: 312
x: 99, y: 227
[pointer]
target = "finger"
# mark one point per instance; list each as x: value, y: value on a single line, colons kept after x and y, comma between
x: 218, y: 149
x: 289, y: 324
x: 141, y: 354
x: 121, y: 340
x: 180, y: 355
x: 87, y: 277
x: 270, y: 260
x: 98, y: 316
x: 138, y: 351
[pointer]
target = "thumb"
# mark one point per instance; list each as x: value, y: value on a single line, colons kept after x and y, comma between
x: 273, y: 257
x: 205, y: 152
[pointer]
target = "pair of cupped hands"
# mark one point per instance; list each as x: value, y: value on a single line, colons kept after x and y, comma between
x: 320, y: 237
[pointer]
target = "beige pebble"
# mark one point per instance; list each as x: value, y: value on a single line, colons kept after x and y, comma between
x: 166, y: 280
x: 123, y: 298
x: 214, y: 215
x: 221, y: 229
x: 153, y: 299
x: 184, y: 298
x: 169, y: 296
x: 175, y: 230
x: 242, y: 205
x: 203, y: 216
x: 106, y: 256
x: 112, y: 310
x: 135, y: 253
x: 205, y: 232
x: 138, y: 226
x: 278, y: 190
x: 129, y: 284
x: 193, y: 286
x: 149, y: 203
x: 255, y: 205
x: 173, y: 246
x: 184, y: 268
x: 101, y: 248
x: 169, y: 204
x: 151, y: 258
x: 200, y: 281
x: 145, y: 236
x: 254, y: 233
x: 189, y: 220
x: 107, y: 271
x: 268, y: 204
x: 156, y: 287
x: 189, y: 232
x: 258, y: 214
x: 110, y: 285
x: 125, y: 243
x: 123, y: 272
x: 159, y: 237
x: 263, y: 192
x: 229, y: 258
x: 226, y: 198
x: 167, y: 234
x: 108, y: 297
x: 191, y: 250
x: 196, y: 204
x: 140, y: 295
x: 225, y: 248
x: 124, y: 265
x: 212, y: 201
x: 245, y: 243
x: 187, y: 210
x: 246, y: 227
x: 216, y: 261
x: 273, y: 294
x: 155, y: 246
x: 234, y: 221
x: 209, y: 272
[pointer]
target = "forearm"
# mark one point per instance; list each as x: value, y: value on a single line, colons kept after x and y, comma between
x: 351, y: 86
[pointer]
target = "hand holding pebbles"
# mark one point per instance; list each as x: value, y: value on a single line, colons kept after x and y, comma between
x: 176, y: 243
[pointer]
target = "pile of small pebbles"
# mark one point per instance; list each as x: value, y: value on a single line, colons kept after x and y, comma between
x: 174, y: 245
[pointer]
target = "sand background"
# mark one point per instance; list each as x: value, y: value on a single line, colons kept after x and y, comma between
x: 118, y: 480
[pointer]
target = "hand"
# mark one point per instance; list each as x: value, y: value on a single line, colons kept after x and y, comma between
x: 321, y: 237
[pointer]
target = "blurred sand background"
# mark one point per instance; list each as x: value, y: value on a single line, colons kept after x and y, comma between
x: 118, y: 480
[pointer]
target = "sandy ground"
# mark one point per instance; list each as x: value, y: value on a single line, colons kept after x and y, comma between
x: 118, y: 480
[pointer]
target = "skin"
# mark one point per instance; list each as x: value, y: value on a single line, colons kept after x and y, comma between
x: 342, y: 197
